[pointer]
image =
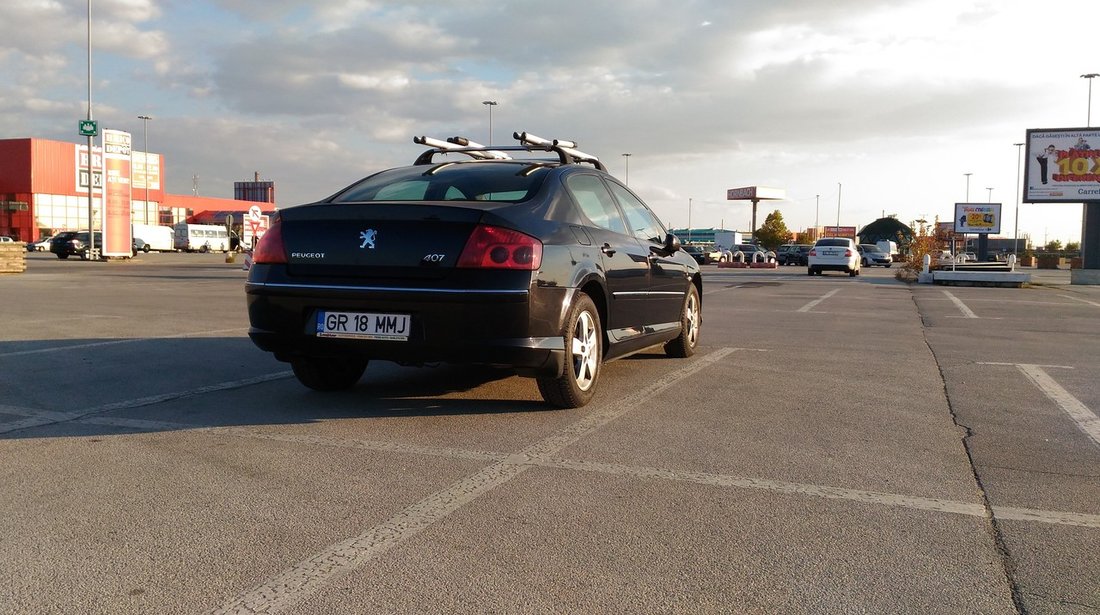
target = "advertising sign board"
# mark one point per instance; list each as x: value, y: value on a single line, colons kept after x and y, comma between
x: 115, y: 216
x: 839, y: 231
x: 759, y: 193
x: 81, y: 169
x: 1062, y: 165
x: 980, y: 218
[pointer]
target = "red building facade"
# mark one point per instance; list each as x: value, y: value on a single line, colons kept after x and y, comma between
x: 44, y: 189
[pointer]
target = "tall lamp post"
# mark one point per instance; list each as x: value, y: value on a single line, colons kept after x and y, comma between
x: 839, y: 187
x: 1090, y: 77
x: 689, y: 219
x: 627, y: 157
x: 490, y: 104
x: 1016, y: 228
x: 145, y: 165
x: 990, y: 198
x: 91, y: 226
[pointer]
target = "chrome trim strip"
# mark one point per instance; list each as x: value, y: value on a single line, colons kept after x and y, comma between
x: 385, y: 289
x: 636, y: 293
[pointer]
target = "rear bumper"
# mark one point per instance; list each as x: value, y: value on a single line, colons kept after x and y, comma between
x: 833, y: 266
x: 519, y: 329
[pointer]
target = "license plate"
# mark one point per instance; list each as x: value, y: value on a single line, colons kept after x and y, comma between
x: 359, y: 325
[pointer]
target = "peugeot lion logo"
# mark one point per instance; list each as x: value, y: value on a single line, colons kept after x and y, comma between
x: 368, y: 238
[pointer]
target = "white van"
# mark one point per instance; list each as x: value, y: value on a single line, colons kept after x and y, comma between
x: 159, y: 238
x: 201, y: 237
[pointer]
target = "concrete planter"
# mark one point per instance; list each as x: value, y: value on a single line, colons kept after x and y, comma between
x: 1050, y: 262
x: 13, y: 257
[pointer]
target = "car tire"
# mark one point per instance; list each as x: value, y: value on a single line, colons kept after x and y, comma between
x: 62, y: 256
x: 887, y: 265
x: 145, y: 248
x: 583, y: 335
x: 328, y: 374
x: 691, y: 317
x: 809, y: 271
x: 853, y: 272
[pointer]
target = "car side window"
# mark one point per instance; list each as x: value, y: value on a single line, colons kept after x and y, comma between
x: 595, y: 201
x: 642, y: 222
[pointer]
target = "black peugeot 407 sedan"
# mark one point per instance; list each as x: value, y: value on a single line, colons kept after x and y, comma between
x: 528, y: 256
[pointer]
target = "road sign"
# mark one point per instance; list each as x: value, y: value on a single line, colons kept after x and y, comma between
x: 255, y: 213
x: 88, y: 128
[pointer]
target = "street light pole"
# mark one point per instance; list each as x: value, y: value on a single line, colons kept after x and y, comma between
x: 817, y: 216
x: 839, y: 187
x: 689, y: 219
x: 1090, y: 77
x: 627, y: 157
x: 490, y: 104
x: 91, y: 225
x: 1016, y: 229
x: 990, y: 198
x: 967, y: 186
x: 145, y: 165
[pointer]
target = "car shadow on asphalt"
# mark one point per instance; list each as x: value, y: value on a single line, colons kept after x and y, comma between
x: 76, y: 390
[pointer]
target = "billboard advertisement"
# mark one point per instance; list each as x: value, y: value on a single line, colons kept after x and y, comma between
x: 840, y: 231
x: 980, y: 218
x: 80, y: 171
x: 1062, y: 165
x: 115, y: 216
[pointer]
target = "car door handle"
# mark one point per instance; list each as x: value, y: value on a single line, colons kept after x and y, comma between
x: 607, y: 249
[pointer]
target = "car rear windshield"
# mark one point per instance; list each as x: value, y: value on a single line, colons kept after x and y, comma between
x: 510, y: 182
x: 833, y: 242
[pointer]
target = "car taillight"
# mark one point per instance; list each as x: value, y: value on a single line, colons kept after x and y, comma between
x: 813, y: 253
x: 492, y: 247
x: 847, y: 253
x: 271, y: 249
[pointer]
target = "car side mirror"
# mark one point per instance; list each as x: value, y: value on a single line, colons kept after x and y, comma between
x: 672, y: 243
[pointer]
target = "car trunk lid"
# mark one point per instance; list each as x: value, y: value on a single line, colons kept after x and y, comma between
x: 376, y: 240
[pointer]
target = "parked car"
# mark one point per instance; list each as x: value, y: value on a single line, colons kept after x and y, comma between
x: 834, y: 254
x: 719, y: 255
x: 800, y: 256
x: 750, y: 250
x: 6, y: 239
x: 40, y: 246
x: 970, y: 257
x: 138, y: 245
x: 870, y: 255
x: 73, y: 243
x: 698, y: 253
x: 529, y: 262
x: 783, y: 255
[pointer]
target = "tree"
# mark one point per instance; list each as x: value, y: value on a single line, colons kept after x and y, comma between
x: 774, y: 232
x: 1054, y: 245
x: 1073, y: 246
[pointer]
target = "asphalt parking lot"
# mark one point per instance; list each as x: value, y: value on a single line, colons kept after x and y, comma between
x: 837, y: 444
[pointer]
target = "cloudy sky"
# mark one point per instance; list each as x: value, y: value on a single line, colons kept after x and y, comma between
x: 870, y: 106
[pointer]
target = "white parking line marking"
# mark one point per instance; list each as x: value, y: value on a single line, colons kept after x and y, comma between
x: 809, y: 306
x: 967, y: 313
x: 1081, y: 300
x: 22, y: 353
x: 289, y: 587
x: 895, y: 500
x: 39, y: 419
x: 1085, y: 419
